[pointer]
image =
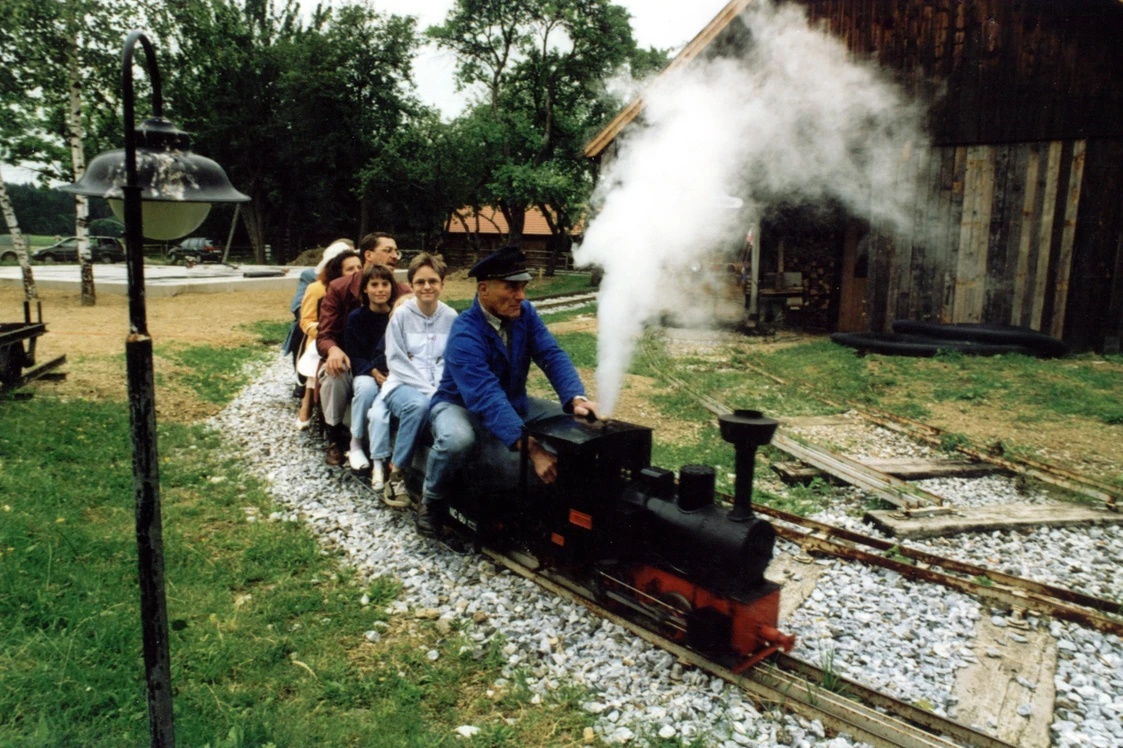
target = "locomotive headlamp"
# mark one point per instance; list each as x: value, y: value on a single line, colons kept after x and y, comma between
x: 155, y: 170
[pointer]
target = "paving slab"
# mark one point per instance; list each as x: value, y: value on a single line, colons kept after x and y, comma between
x: 1009, y: 674
x: 990, y: 518
x: 161, y: 280
x: 798, y: 576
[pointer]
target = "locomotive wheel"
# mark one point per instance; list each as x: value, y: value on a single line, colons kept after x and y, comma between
x: 673, y: 624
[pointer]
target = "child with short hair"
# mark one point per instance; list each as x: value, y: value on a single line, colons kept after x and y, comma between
x: 364, y: 344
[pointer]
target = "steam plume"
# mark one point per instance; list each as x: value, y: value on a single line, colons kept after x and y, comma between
x: 793, y: 118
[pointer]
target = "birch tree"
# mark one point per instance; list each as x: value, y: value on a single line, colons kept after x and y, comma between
x: 29, y: 291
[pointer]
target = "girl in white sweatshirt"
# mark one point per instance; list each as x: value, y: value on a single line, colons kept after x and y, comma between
x: 415, y: 346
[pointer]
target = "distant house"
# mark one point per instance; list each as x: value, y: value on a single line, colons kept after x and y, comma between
x: 469, y: 236
x: 1022, y: 186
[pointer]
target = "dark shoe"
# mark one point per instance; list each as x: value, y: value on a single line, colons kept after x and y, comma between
x: 396, y: 494
x: 428, y: 521
x: 334, y: 455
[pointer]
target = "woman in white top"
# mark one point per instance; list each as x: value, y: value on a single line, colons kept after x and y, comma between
x: 415, y: 346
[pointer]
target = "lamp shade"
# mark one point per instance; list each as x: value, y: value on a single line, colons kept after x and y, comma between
x: 176, y: 185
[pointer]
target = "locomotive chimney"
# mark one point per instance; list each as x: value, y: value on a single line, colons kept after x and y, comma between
x: 745, y: 430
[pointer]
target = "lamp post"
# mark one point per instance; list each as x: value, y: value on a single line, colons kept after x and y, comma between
x: 161, y: 190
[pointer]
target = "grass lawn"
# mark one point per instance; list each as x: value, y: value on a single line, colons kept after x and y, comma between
x: 267, y: 632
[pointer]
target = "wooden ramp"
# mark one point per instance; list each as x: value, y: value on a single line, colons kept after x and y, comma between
x: 905, y: 468
x: 990, y: 518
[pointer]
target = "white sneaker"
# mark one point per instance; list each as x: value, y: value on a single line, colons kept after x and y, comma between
x: 302, y: 425
x: 377, y: 478
x: 358, y: 459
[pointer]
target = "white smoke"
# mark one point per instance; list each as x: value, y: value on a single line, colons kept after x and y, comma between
x: 794, y: 119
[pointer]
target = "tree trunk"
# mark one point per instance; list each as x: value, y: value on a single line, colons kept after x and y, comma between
x: 251, y: 217
x: 559, y: 241
x: 29, y: 291
x: 516, y: 217
x: 78, y: 161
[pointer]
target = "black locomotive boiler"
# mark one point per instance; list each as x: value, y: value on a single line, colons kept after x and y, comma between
x: 645, y: 545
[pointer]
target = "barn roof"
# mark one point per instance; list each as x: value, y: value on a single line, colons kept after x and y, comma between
x: 491, y: 221
x: 602, y: 139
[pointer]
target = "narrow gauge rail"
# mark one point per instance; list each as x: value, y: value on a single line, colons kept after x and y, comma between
x: 1017, y: 593
x: 547, y: 304
x: 1081, y: 484
x: 792, y: 684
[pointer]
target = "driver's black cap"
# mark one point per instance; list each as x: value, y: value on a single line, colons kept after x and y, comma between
x: 508, y: 263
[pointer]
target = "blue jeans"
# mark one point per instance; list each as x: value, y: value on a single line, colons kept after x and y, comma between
x: 457, y: 434
x: 412, y: 411
x: 365, y: 392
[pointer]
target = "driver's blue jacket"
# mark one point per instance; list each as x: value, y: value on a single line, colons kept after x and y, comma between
x: 483, y: 376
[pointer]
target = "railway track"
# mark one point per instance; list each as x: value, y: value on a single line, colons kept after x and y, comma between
x: 562, y: 302
x: 844, y: 707
x: 1015, y: 593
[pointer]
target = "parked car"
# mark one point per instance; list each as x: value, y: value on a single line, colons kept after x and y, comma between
x: 197, y: 248
x: 102, y: 249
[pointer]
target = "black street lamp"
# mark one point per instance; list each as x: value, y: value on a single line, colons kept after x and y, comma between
x: 177, y: 188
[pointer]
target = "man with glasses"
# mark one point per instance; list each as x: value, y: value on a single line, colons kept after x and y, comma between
x: 481, y: 403
x: 343, y: 296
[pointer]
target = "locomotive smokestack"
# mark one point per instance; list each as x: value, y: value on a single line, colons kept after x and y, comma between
x: 745, y: 430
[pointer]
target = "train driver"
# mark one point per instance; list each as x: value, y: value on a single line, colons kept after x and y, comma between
x: 481, y: 401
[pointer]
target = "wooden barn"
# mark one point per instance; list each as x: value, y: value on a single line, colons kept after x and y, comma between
x: 1022, y: 188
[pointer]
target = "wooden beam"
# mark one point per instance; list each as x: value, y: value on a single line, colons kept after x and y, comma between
x: 1064, y: 261
x: 1045, y: 238
x: 1029, y: 205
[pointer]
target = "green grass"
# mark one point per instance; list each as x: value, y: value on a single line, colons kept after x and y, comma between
x: 266, y: 632
x: 581, y: 347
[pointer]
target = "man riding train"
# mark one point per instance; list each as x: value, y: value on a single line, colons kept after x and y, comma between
x: 481, y: 404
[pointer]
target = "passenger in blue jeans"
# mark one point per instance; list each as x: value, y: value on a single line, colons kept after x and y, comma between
x: 415, y: 347
x: 481, y: 402
x: 364, y: 344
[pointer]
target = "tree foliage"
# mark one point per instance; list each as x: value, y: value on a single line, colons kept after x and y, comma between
x: 541, y: 67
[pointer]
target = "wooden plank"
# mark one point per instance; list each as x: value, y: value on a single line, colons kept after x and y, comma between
x: 905, y: 468
x: 991, y: 518
x: 951, y: 239
x: 920, y: 295
x: 1045, y: 237
x: 974, y: 235
x: 1064, y: 260
x: 996, y: 301
x: 1025, y: 234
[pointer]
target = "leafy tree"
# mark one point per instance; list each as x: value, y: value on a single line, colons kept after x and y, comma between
x: 56, y: 54
x: 541, y: 67
x: 292, y: 111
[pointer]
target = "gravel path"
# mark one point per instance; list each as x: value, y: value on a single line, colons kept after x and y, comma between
x: 639, y: 693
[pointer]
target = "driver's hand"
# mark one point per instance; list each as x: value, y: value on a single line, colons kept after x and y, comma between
x: 337, y: 362
x: 586, y: 409
x: 545, y: 462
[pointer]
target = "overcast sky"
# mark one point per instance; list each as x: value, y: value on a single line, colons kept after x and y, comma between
x: 659, y: 23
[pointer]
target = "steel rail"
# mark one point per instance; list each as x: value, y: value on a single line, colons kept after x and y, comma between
x: 931, y: 560
x: 1057, y: 476
x: 801, y: 694
x: 1016, y: 593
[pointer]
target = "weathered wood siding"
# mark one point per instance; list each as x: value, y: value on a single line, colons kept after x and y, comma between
x: 997, y: 70
x: 1027, y: 234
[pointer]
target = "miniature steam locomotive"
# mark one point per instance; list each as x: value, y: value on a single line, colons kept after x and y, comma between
x: 643, y: 545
